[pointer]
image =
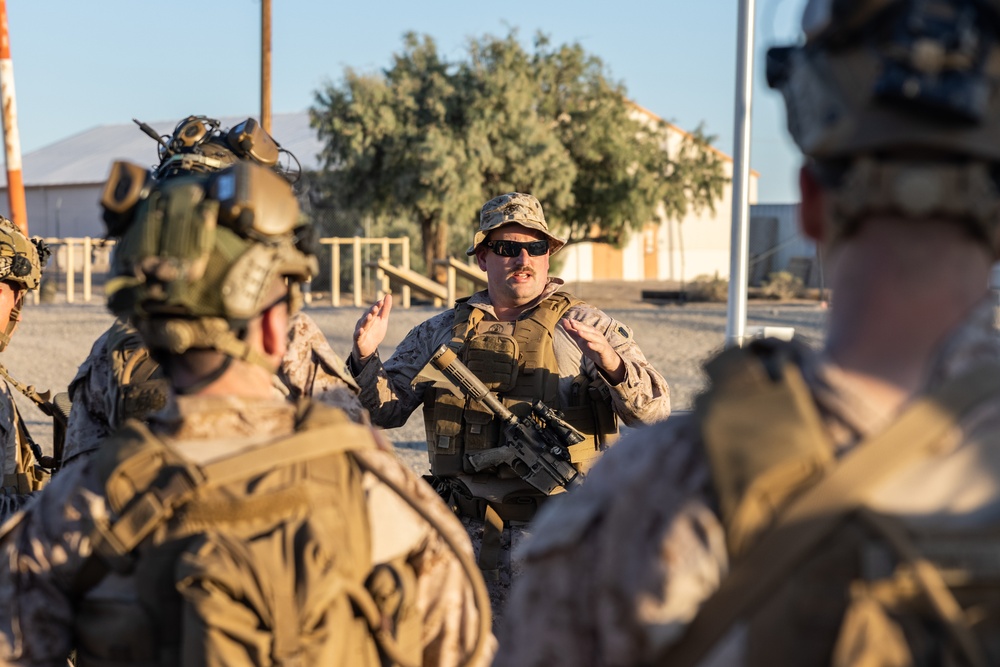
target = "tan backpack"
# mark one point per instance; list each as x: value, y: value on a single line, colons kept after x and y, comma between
x: 817, y: 577
x: 263, y: 553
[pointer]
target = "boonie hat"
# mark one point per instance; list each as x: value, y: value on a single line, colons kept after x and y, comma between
x: 513, y: 208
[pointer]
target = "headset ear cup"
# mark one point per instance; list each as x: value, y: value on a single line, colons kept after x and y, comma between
x: 127, y: 185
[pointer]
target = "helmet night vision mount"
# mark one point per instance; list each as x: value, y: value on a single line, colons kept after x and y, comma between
x: 199, y: 144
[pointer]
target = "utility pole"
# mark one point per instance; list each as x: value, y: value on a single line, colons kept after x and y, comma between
x: 11, y: 139
x: 736, y: 320
x: 265, y: 65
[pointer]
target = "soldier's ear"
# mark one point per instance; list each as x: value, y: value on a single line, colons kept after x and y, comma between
x: 274, y: 332
x: 811, y: 212
x: 481, y: 257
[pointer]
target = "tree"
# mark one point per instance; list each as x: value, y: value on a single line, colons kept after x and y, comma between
x: 432, y: 140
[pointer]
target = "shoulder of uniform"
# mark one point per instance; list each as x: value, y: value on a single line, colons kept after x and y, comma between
x: 614, y: 330
x: 127, y: 462
x: 311, y: 414
x: 647, y: 467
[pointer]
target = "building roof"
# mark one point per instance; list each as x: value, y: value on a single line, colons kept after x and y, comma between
x: 86, y: 158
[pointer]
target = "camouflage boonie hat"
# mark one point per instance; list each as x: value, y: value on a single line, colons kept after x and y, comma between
x: 513, y: 208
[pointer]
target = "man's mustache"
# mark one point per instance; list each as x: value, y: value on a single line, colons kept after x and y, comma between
x: 521, y: 269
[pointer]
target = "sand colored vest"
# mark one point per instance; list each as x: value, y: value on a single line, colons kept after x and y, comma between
x: 517, y: 361
x: 28, y: 476
x: 818, y: 576
x: 262, y: 553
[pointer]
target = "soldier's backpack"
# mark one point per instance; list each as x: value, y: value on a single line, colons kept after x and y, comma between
x: 818, y: 576
x: 262, y: 554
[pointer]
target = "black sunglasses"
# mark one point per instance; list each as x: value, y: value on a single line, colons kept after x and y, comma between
x: 513, y: 248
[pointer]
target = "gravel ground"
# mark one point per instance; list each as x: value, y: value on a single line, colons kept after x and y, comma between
x: 53, y: 339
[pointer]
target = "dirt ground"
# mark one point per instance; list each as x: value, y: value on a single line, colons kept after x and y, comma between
x: 53, y: 339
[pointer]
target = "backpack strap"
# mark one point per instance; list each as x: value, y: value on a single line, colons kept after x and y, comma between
x: 146, y: 480
x: 819, y: 510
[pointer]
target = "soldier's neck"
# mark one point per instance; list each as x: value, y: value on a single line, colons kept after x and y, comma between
x: 240, y: 379
x: 897, y: 296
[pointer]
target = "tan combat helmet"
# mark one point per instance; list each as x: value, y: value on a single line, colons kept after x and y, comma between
x: 21, y: 263
x: 200, y: 253
x: 897, y: 103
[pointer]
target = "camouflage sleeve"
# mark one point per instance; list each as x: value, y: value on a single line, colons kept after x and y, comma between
x: 90, y: 391
x: 386, y: 389
x: 310, y: 368
x: 617, y: 569
x: 451, y: 621
x: 45, y: 547
x: 643, y: 397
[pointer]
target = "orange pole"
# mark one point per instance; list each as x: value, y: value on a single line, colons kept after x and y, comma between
x: 11, y: 139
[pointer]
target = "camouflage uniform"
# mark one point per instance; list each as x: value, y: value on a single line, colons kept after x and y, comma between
x: 12, y: 446
x: 310, y: 368
x: 643, y: 397
x: 51, y: 540
x: 657, y: 548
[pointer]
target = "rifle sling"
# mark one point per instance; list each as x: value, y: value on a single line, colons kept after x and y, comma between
x: 820, y: 509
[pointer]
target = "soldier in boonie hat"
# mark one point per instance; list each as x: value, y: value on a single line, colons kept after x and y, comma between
x: 513, y: 208
x: 528, y: 340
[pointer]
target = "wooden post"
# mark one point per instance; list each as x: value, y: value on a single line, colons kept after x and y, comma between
x: 86, y: 268
x: 451, y: 285
x: 70, y: 278
x: 335, y: 273
x: 265, y: 65
x: 386, y: 286
x: 405, y: 263
x: 357, y: 271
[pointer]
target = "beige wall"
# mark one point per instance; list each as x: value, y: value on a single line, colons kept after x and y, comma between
x: 685, y: 249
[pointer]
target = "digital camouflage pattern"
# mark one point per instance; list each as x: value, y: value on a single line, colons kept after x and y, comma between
x: 51, y: 540
x: 635, y: 579
x: 643, y: 397
x: 11, y: 448
x: 310, y: 368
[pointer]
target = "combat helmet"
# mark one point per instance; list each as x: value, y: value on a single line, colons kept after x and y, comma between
x: 199, y: 144
x: 200, y: 253
x: 897, y: 105
x: 21, y: 263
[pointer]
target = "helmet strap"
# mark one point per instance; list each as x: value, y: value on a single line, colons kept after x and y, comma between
x: 915, y: 189
x: 15, y: 315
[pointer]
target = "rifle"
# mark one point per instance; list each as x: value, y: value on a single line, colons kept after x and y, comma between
x: 536, y: 448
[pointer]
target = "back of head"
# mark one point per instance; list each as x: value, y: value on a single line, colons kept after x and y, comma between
x: 202, y: 254
x: 897, y: 105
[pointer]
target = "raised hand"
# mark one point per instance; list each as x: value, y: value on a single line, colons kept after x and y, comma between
x: 597, y: 348
x: 370, y: 329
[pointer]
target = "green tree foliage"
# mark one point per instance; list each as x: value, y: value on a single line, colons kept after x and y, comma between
x: 430, y: 141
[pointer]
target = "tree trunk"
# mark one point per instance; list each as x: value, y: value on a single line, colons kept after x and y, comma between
x: 434, y: 235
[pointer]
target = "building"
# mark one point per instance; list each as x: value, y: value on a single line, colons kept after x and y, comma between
x: 777, y: 244
x: 670, y: 250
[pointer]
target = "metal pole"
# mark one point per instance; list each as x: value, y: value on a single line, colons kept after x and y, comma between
x: 736, y: 321
x: 265, y: 65
x: 11, y: 139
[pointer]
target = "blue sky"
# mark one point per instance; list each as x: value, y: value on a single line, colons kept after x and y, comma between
x: 78, y: 65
